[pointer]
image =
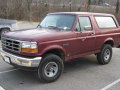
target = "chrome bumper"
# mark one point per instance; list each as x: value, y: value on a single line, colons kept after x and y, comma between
x: 20, y: 61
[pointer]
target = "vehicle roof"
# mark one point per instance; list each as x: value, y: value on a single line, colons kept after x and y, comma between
x: 83, y: 13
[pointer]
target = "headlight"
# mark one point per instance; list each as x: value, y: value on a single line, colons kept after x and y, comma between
x: 29, y: 47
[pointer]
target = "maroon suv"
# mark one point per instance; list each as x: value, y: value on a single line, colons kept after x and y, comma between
x: 59, y: 38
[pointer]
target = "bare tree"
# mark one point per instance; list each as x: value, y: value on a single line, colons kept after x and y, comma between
x: 117, y: 7
x: 3, y: 6
x: 28, y: 5
x: 100, y: 1
x: 37, y: 9
x: 88, y: 5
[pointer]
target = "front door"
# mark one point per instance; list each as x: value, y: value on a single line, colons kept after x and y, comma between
x: 86, y: 36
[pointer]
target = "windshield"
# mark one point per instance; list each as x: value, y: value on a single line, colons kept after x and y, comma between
x: 63, y: 22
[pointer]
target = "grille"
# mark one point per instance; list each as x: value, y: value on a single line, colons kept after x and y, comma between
x: 10, y: 44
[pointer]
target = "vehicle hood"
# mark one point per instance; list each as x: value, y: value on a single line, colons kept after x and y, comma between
x: 38, y: 35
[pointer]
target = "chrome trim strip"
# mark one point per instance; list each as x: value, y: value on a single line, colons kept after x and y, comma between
x: 11, y: 45
x: 22, y: 61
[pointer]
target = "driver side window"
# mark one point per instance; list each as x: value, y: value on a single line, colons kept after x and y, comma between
x: 85, y: 23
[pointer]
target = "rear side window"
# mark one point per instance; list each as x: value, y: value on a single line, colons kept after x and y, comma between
x: 105, y: 22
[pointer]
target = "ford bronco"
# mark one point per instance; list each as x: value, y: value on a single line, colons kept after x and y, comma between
x: 61, y: 37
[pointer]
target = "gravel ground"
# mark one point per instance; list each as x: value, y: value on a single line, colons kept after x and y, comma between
x: 25, y: 24
x: 82, y: 74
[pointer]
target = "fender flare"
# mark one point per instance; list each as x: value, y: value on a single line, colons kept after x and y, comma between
x: 109, y: 39
x: 58, y: 47
x: 5, y: 28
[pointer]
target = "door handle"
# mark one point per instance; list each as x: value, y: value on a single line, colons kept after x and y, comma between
x: 92, y: 33
x: 83, y: 39
x: 89, y: 34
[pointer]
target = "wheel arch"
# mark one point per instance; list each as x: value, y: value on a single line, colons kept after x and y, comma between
x: 5, y: 28
x: 57, y: 50
x: 109, y: 41
x: 2, y: 28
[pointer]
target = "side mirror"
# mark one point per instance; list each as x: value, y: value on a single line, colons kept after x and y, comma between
x: 87, y: 28
x: 76, y: 29
x: 39, y: 26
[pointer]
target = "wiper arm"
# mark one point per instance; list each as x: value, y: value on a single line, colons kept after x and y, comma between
x: 53, y: 27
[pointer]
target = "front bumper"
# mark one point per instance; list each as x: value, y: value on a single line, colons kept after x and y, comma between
x: 20, y: 61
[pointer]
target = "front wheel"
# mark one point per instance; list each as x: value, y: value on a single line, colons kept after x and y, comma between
x: 105, y: 55
x: 50, y: 68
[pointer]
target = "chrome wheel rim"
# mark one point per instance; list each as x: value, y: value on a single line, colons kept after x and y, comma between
x: 107, y: 55
x: 51, y: 69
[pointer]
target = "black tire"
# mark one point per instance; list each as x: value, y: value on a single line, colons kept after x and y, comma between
x: 4, y: 30
x: 45, y: 69
x: 104, y: 57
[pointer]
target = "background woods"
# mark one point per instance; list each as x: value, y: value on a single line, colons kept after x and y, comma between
x: 35, y: 10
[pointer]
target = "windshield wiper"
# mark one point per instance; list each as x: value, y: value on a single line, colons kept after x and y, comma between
x: 53, y: 27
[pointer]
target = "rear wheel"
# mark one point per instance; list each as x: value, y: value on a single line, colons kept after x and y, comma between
x: 105, y: 55
x: 50, y: 68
